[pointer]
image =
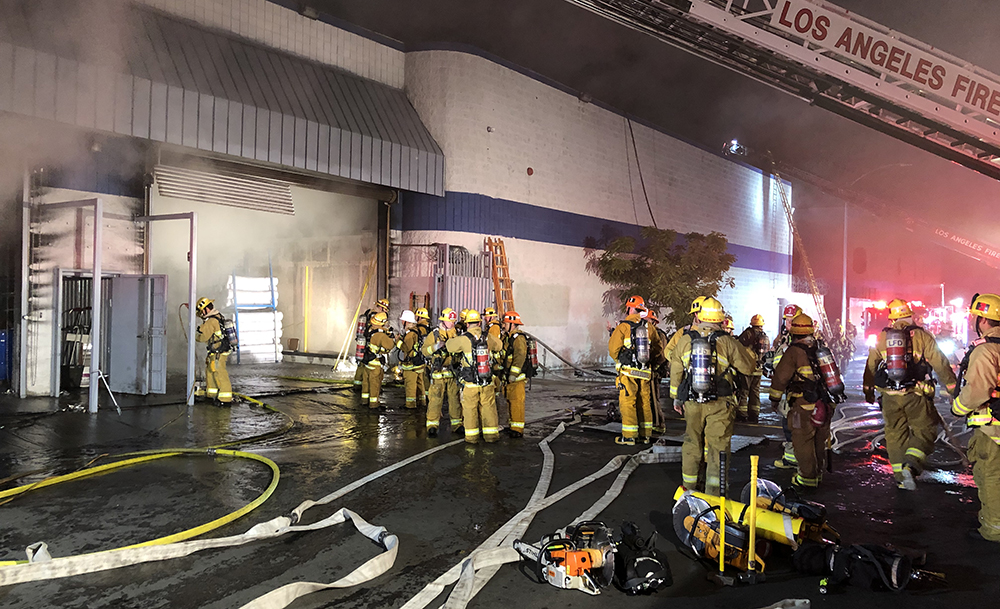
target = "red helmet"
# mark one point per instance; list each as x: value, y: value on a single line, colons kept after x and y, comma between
x: 791, y: 311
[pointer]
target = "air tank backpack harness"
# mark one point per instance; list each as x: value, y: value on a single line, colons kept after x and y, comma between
x: 703, y: 382
x: 479, y: 371
x: 898, y: 371
x: 975, y: 419
x: 633, y: 359
x: 828, y: 385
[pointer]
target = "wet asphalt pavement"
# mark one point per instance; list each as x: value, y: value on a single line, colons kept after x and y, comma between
x: 441, y: 507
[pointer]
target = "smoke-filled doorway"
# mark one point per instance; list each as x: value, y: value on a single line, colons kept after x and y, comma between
x: 319, y: 256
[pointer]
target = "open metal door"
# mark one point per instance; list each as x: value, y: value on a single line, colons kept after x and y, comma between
x: 138, y: 334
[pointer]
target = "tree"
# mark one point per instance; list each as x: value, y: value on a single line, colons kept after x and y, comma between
x: 665, y: 270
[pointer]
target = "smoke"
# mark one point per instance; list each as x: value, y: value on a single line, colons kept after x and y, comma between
x: 333, y: 235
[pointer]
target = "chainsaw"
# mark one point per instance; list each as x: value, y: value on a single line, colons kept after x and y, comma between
x: 559, y: 562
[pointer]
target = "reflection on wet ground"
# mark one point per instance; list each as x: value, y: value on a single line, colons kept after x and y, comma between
x: 441, y: 507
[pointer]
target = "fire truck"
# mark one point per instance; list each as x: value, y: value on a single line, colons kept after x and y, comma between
x: 949, y: 324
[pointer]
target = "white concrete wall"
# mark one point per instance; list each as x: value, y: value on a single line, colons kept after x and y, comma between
x: 281, y: 28
x: 494, y: 123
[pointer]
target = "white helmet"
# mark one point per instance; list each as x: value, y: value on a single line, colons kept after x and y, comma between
x: 408, y: 317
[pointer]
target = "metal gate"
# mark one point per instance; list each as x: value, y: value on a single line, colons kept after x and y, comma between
x: 453, y: 276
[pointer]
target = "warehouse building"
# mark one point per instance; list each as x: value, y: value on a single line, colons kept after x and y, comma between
x: 321, y: 163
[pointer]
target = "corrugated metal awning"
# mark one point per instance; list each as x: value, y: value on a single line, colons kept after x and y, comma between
x: 157, y: 77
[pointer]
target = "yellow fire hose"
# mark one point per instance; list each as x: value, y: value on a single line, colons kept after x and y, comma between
x: 136, y: 458
x: 181, y: 536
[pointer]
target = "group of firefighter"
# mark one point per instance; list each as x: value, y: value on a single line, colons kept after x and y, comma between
x: 468, y: 359
x: 715, y: 381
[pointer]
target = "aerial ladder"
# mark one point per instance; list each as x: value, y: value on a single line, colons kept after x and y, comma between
x: 834, y: 59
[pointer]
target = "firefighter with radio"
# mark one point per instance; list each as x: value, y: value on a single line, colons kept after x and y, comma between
x: 702, y: 387
x: 411, y: 361
x: 979, y: 402
x: 443, y: 384
x: 475, y: 351
x: 899, y: 366
x: 636, y: 352
x: 519, y: 366
x: 361, y: 336
x: 748, y: 389
x: 378, y: 345
x: 808, y: 377
x: 213, y: 333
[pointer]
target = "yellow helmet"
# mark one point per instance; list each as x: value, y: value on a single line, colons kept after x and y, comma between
x: 472, y: 316
x: 899, y: 309
x: 802, y: 325
x: 203, y: 303
x: 711, y: 311
x: 463, y: 314
x: 421, y: 313
x: 448, y: 315
x: 489, y: 312
x: 986, y: 305
x: 379, y: 319
x: 383, y: 304
x: 727, y: 324
x: 696, y: 304
x: 757, y: 321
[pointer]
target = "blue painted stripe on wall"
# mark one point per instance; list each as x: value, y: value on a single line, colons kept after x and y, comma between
x: 475, y: 213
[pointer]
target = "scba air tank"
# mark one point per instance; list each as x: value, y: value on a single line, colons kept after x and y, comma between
x: 482, y: 358
x: 895, y: 355
x: 359, y: 338
x: 642, y: 344
x: 828, y: 368
x: 701, y: 367
x: 533, y: 352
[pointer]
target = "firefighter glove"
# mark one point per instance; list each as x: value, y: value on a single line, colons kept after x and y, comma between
x: 870, y: 395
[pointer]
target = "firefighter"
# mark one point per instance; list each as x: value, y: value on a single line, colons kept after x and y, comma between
x: 705, y: 399
x: 211, y: 332
x: 461, y: 326
x: 636, y: 352
x: 443, y: 382
x: 473, y: 349
x: 423, y: 323
x: 978, y: 402
x: 771, y: 360
x: 379, y: 344
x: 410, y: 359
x: 911, y: 421
x: 668, y: 349
x: 366, y: 324
x: 517, y: 368
x: 495, y: 328
x: 797, y: 378
x: 755, y: 339
x: 728, y: 326
x: 659, y: 373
